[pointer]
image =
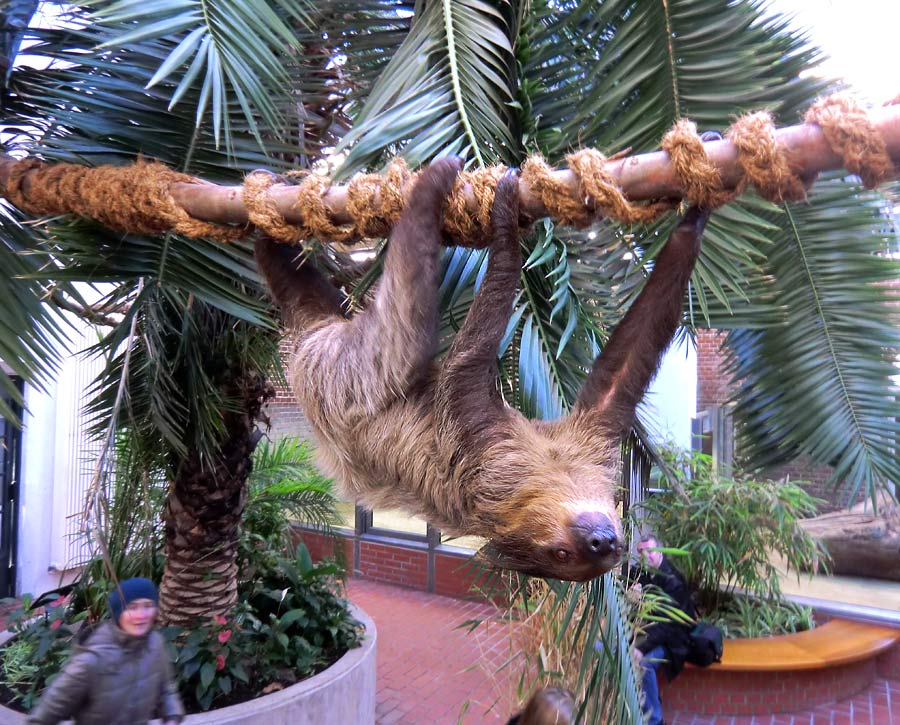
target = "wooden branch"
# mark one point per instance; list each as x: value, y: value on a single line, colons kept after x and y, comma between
x: 642, y: 177
x: 89, y: 314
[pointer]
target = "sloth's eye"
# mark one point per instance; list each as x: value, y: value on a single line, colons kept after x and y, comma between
x: 561, y: 554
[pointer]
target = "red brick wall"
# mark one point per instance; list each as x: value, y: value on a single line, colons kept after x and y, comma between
x: 398, y: 564
x: 713, y: 691
x: 455, y: 576
x: 712, y: 383
x: 322, y: 547
x: 393, y: 564
x: 284, y: 412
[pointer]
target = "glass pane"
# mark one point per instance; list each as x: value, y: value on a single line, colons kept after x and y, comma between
x: 346, y: 511
x: 397, y: 520
x: 463, y: 542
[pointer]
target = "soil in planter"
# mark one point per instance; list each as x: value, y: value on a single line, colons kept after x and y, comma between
x: 11, y: 699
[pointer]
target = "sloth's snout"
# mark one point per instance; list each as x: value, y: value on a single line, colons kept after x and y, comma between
x: 596, y: 537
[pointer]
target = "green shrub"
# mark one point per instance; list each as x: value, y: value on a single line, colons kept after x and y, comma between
x: 44, y: 635
x: 290, y: 624
x: 730, y: 527
x: 744, y: 616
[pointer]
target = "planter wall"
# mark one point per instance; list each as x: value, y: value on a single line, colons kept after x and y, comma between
x: 716, y: 692
x: 344, y: 693
x: 787, y: 673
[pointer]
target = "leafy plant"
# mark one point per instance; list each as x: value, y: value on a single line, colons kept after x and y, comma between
x: 743, y: 616
x: 730, y: 527
x: 44, y: 632
x: 290, y: 624
x: 285, y: 486
x: 572, y: 635
x: 304, y: 618
x: 20, y: 666
x: 209, y: 659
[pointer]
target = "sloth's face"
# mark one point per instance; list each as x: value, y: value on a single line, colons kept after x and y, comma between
x: 589, y: 545
x: 553, y: 504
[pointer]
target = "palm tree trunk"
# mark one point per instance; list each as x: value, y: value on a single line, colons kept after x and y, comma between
x: 203, y: 511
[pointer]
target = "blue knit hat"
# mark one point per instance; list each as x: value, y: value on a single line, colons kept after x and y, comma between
x: 129, y: 591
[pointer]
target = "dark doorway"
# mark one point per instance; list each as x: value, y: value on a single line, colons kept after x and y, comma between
x: 10, y: 466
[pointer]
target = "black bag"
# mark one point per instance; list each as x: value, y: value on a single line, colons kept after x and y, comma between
x: 706, y: 645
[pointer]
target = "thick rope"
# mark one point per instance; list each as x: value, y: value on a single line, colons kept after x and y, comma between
x: 701, y: 180
x: 765, y: 162
x: 136, y: 198
x: 131, y: 199
x: 853, y: 137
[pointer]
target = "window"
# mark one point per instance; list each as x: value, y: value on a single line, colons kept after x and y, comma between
x: 396, y: 520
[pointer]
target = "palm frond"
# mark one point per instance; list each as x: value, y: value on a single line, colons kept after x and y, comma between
x: 616, y: 74
x: 283, y: 475
x: 579, y: 636
x: 446, y: 90
x: 819, y: 382
x: 241, y: 50
x: 94, y: 107
x: 32, y: 336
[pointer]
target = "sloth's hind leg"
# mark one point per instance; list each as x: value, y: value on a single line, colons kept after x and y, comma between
x: 393, y: 342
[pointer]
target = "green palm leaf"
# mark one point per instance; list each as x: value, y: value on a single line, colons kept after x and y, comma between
x: 31, y: 335
x: 240, y: 49
x: 447, y: 89
x: 819, y: 382
x: 284, y: 476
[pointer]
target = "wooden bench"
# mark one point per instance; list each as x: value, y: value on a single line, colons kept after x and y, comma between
x: 837, y: 642
x: 787, y: 673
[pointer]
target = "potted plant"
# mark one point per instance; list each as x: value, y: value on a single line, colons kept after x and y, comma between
x: 289, y: 625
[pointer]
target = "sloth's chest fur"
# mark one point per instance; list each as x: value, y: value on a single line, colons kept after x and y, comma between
x: 393, y: 459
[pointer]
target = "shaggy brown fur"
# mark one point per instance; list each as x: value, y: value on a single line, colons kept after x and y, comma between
x: 397, y: 430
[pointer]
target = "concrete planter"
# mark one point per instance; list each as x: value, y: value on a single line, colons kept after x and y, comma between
x: 344, y: 693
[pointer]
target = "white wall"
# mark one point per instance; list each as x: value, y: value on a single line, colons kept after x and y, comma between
x: 36, y: 492
x: 671, y: 400
x: 57, y: 464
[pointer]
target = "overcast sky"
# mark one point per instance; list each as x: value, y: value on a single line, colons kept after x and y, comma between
x: 862, y: 38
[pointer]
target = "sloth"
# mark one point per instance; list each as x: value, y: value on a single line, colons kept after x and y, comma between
x: 398, y: 429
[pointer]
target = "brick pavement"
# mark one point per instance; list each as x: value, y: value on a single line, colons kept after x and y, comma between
x: 431, y: 672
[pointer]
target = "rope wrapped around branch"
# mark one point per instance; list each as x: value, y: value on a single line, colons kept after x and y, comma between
x: 141, y: 198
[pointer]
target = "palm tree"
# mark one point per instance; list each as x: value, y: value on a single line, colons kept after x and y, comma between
x: 218, y: 89
x: 185, y: 326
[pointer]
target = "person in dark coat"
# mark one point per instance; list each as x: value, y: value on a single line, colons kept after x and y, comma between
x: 662, y: 645
x: 122, y: 674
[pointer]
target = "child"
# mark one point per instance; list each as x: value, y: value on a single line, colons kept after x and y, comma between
x: 122, y: 674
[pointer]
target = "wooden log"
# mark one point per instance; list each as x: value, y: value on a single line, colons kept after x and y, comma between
x: 861, y: 543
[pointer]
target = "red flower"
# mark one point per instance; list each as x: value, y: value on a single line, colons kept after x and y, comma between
x: 224, y: 635
x: 56, y: 602
x: 55, y: 624
x: 220, y: 662
x: 219, y: 619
